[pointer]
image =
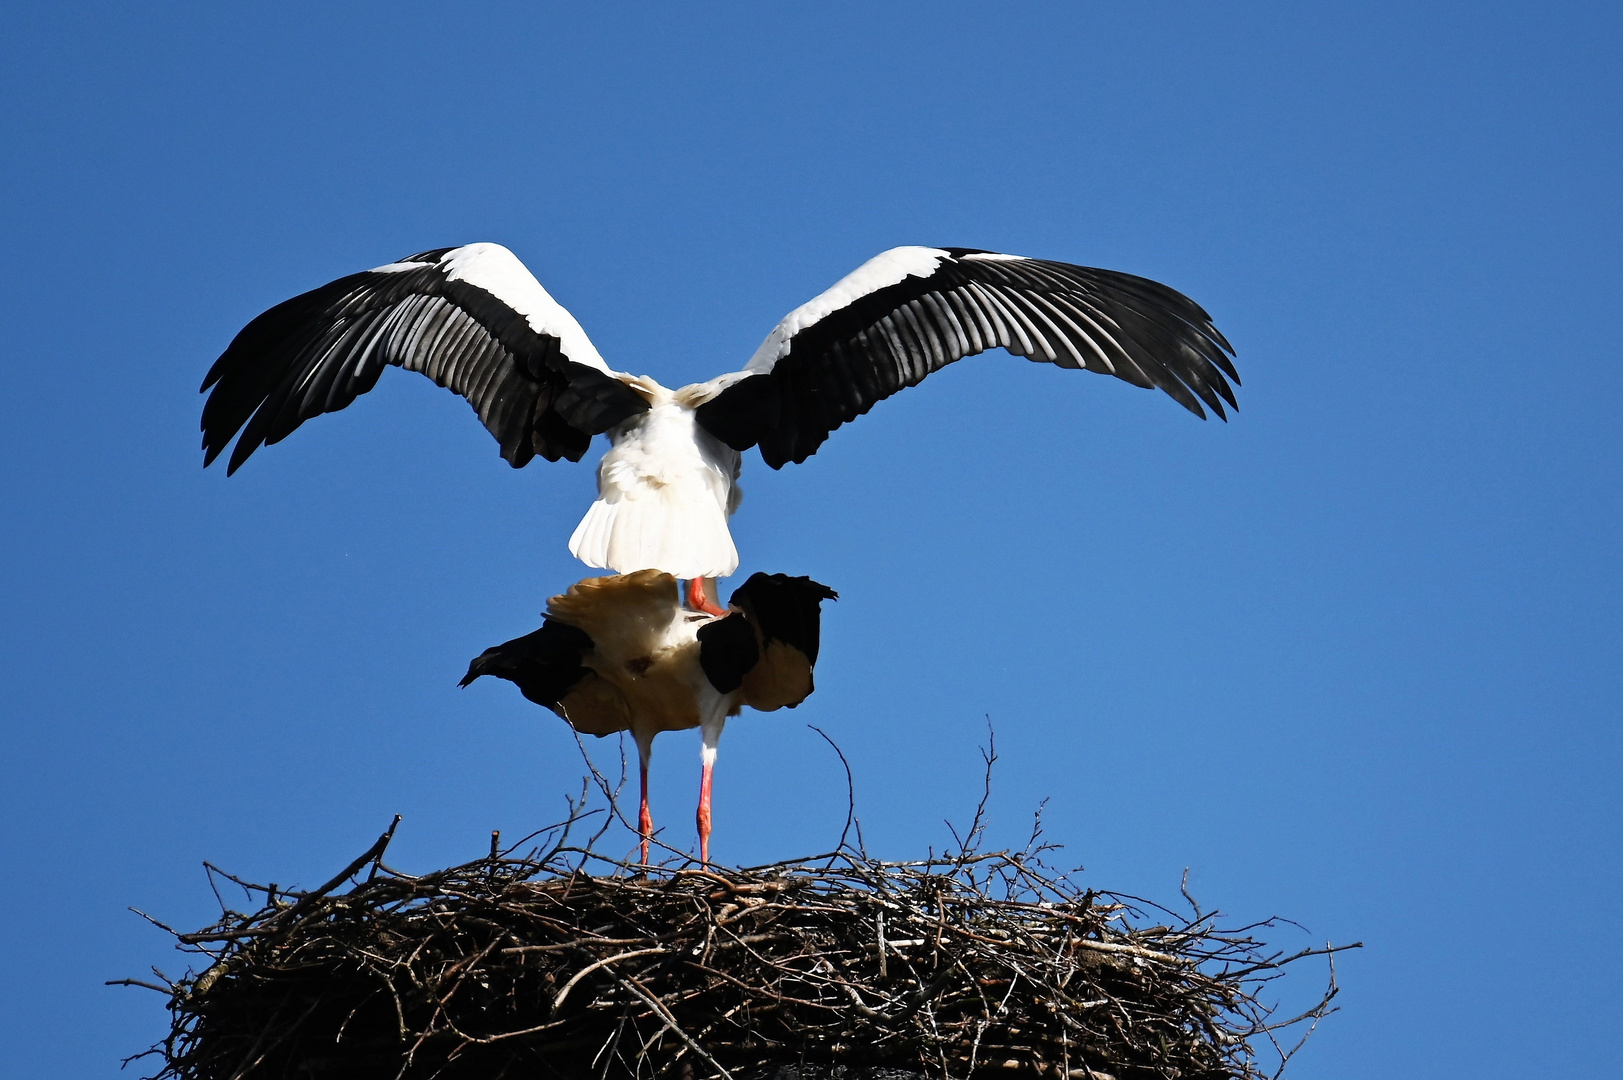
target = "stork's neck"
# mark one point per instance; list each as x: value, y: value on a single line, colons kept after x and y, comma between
x: 650, y: 390
x: 690, y: 396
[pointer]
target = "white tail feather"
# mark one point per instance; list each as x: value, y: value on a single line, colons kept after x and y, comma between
x: 649, y: 533
x: 665, y: 489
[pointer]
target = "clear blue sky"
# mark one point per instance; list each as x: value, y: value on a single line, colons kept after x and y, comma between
x: 1353, y: 658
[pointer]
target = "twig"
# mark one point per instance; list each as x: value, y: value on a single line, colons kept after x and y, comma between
x: 850, y: 787
x: 558, y: 1001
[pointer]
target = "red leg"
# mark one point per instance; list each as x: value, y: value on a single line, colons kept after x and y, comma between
x: 699, y: 598
x: 645, y: 820
x: 704, y: 812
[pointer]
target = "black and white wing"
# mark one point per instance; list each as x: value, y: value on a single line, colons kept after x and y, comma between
x: 471, y: 318
x: 913, y: 310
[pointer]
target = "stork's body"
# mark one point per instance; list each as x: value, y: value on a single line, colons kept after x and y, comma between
x: 474, y: 320
x: 666, y: 488
x: 647, y: 648
x: 621, y: 654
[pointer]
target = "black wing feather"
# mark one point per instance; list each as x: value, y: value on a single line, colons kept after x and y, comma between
x: 840, y: 366
x: 544, y: 665
x: 784, y: 608
x: 321, y: 350
x: 727, y: 651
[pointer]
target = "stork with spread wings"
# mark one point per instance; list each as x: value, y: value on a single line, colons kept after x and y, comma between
x: 477, y: 322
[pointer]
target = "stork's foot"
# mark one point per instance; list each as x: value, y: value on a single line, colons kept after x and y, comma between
x: 701, y: 596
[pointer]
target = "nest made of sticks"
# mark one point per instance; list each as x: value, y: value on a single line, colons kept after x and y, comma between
x: 566, y: 964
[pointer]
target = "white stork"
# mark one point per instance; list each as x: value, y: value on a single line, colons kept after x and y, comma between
x: 620, y: 654
x: 474, y: 320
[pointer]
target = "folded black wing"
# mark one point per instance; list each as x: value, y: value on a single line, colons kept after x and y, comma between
x: 785, y: 609
x: 913, y: 310
x: 769, y: 646
x: 728, y: 650
x: 545, y: 665
x: 471, y: 318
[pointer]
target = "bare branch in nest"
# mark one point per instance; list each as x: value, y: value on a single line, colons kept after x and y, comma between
x: 977, y: 825
x: 850, y: 787
x: 564, y: 963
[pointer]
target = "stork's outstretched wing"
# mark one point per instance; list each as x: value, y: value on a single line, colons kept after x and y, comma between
x: 913, y: 310
x: 471, y: 318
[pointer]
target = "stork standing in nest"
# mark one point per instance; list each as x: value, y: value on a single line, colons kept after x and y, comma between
x: 620, y: 654
x: 476, y: 321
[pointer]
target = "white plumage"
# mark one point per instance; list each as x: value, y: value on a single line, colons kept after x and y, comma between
x: 666, y: 488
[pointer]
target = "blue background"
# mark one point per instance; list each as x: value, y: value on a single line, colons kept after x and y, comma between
x: 1352, y: 658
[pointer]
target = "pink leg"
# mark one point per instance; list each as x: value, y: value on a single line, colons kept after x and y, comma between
x: 645, y: 820
x: 704, y: 812
x: 699, y: 590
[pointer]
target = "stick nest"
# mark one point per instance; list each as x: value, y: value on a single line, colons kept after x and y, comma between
x: 562, y: 963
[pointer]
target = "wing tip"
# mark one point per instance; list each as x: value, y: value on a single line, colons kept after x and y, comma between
x: 242, y: 452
